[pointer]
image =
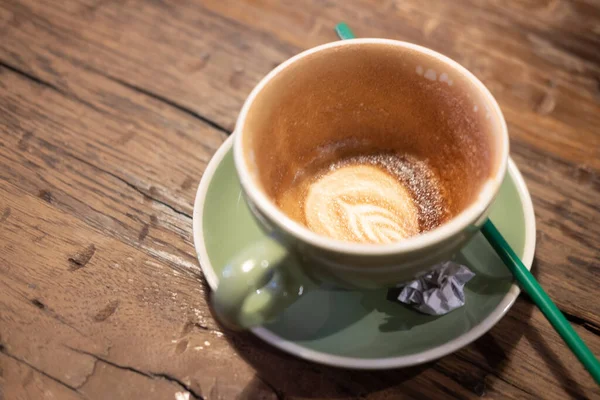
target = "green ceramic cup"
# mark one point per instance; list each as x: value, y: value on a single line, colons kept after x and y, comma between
x: 351, y: 97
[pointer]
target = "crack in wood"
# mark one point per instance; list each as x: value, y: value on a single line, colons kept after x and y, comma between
x: 447, y: 391
x: 60, y: 319
x: 587, y: 325
x: 144, y: 232
x: 178, y: 382
x: 39, y: 371
x: 38, y: 304
x: 473, y: 384
x: 88, y: 376
x: 279, y: 395
x: 45, y: 195
x: 190, y: 325
x: 81, y: 259
x: 144, y: 193
x: 48, y: 85
x: 44, y: 308
x: 574, y: 319
x: 164, y: 100
x: 490, y: 371
x: 150, y: 375
x: 107, y: 311
x: 32, y: 77
x: 206, y: 328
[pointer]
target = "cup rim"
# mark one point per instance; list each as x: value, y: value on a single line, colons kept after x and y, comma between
x: 430, y: 238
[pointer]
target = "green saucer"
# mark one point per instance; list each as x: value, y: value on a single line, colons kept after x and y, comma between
x: 356, y: 329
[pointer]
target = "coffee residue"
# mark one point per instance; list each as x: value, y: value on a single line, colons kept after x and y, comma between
x: 372, y: 204
x: 419, y: 179
x: 361, y: 203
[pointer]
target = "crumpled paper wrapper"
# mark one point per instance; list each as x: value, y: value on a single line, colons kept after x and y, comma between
x: 437, y: 292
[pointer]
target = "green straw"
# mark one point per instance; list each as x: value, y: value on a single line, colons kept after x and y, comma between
x: 525, y: 279
x: 528, y: 282
x: 344, y: 31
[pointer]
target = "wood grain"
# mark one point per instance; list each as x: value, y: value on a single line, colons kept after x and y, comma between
x: 109, y: 112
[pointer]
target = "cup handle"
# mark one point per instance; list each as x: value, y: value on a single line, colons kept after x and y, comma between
x: 257, y: 284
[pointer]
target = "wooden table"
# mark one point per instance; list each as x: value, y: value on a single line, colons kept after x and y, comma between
x: 109, y: 113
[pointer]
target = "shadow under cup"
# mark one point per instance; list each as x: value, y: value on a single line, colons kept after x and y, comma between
x: 369, y: 98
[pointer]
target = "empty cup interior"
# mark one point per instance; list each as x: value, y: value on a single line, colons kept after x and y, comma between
x: 365, y: 98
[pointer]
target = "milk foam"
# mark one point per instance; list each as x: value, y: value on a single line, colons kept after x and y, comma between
x: 361, y: 203
x: 373, y: 198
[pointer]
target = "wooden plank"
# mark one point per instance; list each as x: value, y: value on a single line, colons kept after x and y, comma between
x: 216, y: 66
x: 556, y: 101
x: 109, y: 167
x: 22, y: 381
x: 122, y: 309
